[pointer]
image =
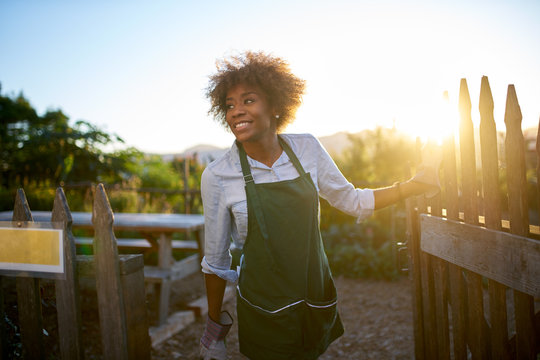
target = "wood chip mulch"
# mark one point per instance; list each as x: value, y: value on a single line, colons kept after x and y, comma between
x: 377, y: 316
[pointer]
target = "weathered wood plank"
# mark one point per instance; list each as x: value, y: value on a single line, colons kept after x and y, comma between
x: 428, y: 294
x: 164, y: 296
x: 512, y: 260
x: 86, y: 266
x: 413, y: 247
x: 467, y: 154
x: 108, y: 284
x: 28, y: 296
x: 440, y: 277
x: 458, y: 295
x: 519, y: 219
x: 492, y: 210
x: 428, y: 302
x: 490, y: 158
x: 440, y: 283
x: 450, y: 178
x: 136, y: 315
x: 3, y: 337
x: 455, y: 273
x: 67, y: 290
x: 165, y: 259
x: 479, y: 341
x: 477, y: 337
x: 143, y: 244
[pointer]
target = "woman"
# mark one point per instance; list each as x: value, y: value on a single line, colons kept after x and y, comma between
x: 264, y: 194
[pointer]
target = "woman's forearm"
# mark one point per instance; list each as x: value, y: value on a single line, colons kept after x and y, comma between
x: 215, y: 288
x: 399, y: 191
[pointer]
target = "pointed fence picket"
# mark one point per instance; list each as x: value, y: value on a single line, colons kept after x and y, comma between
x: 475, y: 280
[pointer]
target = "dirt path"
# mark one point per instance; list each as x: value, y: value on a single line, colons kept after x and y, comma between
x: 377, y: 316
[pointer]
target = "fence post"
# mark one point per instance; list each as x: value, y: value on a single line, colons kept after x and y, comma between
x: 67, y: 291
x: 413, y: 241
x: 492, y: 213
x: 519, y: 218
x: 109, y: 288
x: 28, y: 296
x: 426, y: 279
x: 440, y: 283
x: 455, y: 273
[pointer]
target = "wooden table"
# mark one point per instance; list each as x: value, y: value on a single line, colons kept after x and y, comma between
x: 158, y: 230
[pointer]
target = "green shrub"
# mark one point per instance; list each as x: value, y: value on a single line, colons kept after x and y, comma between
x: 361, y: 250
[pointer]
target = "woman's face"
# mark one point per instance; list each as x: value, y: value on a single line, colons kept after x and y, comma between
x: 248, y: 114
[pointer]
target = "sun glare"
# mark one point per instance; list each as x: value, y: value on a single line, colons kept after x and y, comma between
x: 437, y: 121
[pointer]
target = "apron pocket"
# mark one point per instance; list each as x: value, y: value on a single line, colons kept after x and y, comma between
x: 264, y: 335
x: 321, y: 326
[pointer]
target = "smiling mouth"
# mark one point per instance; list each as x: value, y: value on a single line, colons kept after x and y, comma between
x: 241, y: 124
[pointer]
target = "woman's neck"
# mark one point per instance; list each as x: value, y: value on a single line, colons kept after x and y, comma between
x: 265, y: 151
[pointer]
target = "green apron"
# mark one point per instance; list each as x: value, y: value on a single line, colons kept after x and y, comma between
x: 286, y: 301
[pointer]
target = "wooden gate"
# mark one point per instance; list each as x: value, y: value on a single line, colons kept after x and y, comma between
x: 474, y: 264
x: 120, y: 291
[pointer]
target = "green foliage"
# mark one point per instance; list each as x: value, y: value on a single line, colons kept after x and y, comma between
x: 47, y: 150
x: 361, y: 250
x: 376, y: 158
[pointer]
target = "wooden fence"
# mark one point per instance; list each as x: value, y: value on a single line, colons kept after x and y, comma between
x: 120, y: 291
x: 476, y: 273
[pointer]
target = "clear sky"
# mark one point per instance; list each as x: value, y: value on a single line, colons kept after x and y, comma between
x: 139, y: 68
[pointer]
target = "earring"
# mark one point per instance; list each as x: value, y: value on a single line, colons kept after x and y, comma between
x: 277, y: 116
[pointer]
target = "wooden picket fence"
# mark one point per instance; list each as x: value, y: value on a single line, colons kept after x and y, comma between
x: 120, y: 291
x: 476, y: 273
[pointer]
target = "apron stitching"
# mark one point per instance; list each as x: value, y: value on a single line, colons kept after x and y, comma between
x: 286, y: 306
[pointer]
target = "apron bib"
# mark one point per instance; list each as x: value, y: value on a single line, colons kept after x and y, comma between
x: 286, y: 301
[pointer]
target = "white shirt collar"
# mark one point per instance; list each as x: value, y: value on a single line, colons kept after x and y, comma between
x: 283, y: 159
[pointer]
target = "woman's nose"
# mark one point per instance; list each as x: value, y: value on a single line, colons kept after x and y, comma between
x: 238, y: 111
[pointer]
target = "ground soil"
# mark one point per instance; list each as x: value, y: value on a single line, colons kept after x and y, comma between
x: 377, y: 316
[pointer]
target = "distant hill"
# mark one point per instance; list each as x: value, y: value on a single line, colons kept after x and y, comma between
x: 334, y: 144
x: 205, y: 153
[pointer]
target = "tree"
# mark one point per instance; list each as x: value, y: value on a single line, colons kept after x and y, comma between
x: 47, y: 150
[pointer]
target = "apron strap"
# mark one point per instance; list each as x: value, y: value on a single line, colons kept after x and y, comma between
x: 251, y: 192
x: 292, y: 156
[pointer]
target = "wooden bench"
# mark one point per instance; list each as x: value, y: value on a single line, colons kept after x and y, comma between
x: 179, y: 245
x: 155, y: 275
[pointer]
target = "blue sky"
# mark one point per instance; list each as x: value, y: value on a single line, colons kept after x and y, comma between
x: 139, y: 69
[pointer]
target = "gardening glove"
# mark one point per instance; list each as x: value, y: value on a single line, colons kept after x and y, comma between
x: 428, y: 170
x: 213, y: 340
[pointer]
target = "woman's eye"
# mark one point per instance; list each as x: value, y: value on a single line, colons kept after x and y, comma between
x: 248, y: 101
x: 229, y: 106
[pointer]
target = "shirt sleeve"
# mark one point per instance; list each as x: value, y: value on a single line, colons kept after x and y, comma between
x: 217, y: 228
x: 338, y: 191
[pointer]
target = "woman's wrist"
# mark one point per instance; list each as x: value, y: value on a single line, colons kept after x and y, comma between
x: 397, y: 186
